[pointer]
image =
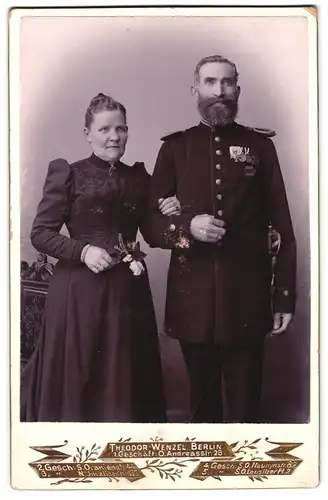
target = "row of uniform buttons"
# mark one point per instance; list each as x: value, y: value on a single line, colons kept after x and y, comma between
x: 218, y: 181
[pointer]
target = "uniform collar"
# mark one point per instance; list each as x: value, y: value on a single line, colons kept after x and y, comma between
x: 218, y: 129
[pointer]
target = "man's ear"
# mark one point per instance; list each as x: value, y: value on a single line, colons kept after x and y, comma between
x: 193, y: 90
x: 238, y: 90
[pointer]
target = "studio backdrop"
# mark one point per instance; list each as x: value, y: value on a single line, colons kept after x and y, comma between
x: 147, y: 63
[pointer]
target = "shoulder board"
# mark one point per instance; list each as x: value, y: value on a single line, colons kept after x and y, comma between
x: 267, y: 132
x: 173, y: 135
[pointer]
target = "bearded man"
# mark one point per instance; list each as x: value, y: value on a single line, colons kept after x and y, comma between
x: 222, y: 298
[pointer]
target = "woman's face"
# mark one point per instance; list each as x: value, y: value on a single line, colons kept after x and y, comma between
x: 108, y: 134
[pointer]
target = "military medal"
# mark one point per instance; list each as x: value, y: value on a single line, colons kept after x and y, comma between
x: 249, y: 170
x: 235, y: 152
x: 239, y: 153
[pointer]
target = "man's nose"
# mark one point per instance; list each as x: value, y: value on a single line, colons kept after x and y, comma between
x: 219, y: 90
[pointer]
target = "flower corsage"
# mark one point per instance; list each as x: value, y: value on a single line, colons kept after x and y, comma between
x: 131, y: 254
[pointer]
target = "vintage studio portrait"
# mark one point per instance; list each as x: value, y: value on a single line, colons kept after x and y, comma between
x: 164, y: 215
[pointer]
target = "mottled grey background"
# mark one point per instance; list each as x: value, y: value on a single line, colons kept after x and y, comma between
x: 148, y: 63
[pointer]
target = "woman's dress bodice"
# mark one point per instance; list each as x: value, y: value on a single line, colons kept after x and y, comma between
x: 95, y: 201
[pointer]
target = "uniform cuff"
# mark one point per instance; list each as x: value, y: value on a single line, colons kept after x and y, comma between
x: 178, y: 231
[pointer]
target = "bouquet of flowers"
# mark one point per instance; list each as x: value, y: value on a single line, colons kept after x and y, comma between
x: 131, y: 254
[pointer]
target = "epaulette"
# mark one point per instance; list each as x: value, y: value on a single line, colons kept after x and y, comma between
x: 267, y: 132
x: 167, y: 137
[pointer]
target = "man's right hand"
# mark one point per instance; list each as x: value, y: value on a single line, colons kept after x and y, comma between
x: 207, y: 228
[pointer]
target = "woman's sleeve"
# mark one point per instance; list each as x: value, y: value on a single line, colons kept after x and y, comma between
x: 160, y: 230
x: 52, y: 213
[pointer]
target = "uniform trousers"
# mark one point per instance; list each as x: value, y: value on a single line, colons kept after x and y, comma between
x: 225, y: 382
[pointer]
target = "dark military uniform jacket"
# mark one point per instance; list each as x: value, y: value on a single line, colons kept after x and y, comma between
x: 221, y: 292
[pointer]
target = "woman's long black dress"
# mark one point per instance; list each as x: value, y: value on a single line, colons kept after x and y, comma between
x: 97, y: 357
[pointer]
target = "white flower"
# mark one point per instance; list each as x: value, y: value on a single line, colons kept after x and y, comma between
x: 127, y: 258
x: 136, y: 267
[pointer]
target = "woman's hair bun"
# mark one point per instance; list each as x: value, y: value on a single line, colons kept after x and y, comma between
x: 102, y: 102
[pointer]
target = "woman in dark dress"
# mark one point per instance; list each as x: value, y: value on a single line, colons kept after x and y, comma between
x: 97, y: 357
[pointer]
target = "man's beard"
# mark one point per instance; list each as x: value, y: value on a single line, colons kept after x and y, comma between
x: 217, y: 111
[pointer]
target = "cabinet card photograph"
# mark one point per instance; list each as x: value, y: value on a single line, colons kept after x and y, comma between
x: 164, y: 248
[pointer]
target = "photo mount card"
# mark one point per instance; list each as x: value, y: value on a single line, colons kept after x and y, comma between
x: 59, y: 58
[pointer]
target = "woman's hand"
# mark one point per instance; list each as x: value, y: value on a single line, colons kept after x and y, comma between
x: 97, y: 259
x: 169, y: 206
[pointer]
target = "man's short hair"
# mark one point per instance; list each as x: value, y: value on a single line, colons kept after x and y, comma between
x: 211, y: 59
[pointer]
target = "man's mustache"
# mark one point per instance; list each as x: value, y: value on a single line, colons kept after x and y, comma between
x: 210, y: 101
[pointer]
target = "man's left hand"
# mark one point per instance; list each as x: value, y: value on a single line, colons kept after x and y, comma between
x: 281, y: 322
x: 169, y: 206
